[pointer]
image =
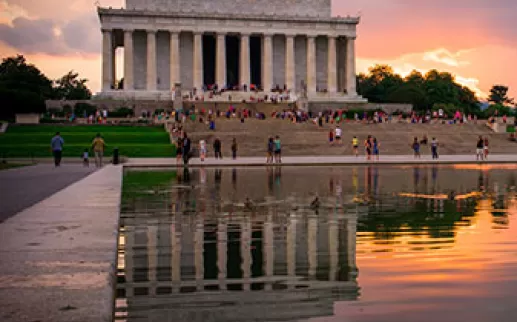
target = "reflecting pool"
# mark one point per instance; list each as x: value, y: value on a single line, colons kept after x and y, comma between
x: 373, y: 243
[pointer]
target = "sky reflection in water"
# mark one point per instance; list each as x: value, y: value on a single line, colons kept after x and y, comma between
x: 433, y: 244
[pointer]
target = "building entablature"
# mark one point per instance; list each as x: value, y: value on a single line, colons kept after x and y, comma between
x: 225, y: 23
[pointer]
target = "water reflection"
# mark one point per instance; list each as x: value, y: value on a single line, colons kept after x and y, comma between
x: 262, y: 245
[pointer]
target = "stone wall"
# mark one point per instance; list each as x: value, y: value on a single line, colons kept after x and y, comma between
x: 386, y: 107
x: 312, y: 8
x: 27, y: 118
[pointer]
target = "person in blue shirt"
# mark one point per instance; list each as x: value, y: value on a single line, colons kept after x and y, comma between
x: 56, y: 145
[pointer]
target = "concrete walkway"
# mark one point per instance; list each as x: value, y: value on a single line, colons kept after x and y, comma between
x: 21, y: 188
x: 321, y: 160
x: 59, y: 256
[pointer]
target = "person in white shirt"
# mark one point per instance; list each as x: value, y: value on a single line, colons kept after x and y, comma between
x: 202, y: 149
x: 338, y: 133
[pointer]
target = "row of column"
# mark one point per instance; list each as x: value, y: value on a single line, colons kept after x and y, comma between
x: 245, y: 71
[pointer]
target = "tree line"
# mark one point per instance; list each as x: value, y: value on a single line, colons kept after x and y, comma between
x: 24, y: 89
x: 432, y: 91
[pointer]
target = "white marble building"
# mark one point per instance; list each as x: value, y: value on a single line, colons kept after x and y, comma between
x: 268, y: 43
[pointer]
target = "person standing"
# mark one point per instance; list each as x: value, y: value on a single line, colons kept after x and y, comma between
x: 179, y: 150
x: 376, y: 146
x: 355, y: 146
x: 434, y: 148
x: 98, y: 147
x: 338, y: 135
x: 186, y: 148
x: 234, y: 148
x: 485, y: 148
x: 416, y: 148
x: 479, y: 149
x: 56, y: 145
x: 217, y: 149
x: 202, y: 149
x: 368, y: 147
x: 278, y: 150
x: 331, y: 137
x: 270, y: 149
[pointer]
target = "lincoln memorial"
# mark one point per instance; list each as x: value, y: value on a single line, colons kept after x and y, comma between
x: 296, y: 46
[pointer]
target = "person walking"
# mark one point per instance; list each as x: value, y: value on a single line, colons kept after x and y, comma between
x: 270, y: 150
x: 217, y: 149
x: 479, y: 149
x: 234, y: 148
x: 338, y: 132
x: 56, y: 145
x: 179, y: 150
x: 98, y: 146
x: 434, y: 148
x: 278, y: 150
x: 376, y: 146
x: 416, y: 148
x: 355, y: 146
x: 368, y: 147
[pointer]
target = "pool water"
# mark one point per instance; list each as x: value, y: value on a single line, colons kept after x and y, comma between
x: 424, y: 243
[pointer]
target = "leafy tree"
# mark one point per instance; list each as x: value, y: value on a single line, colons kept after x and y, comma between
x: 23, y: 88
x: 71, y: 87
x: 499, y: 95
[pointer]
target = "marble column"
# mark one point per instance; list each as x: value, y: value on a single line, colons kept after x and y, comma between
x: 311, y: 64
x: 174, y: 59
x: 351, y: 243
x: 332, y: 65
x: 198, y: 60
x: 176, y: 250
x: 129, y: 235
x: 267, y: 68
x: 350, y: 67
x: 289, y: 62
x: 333, y: 247
x: 220, y: 55
x: 245, y: 60
x: 151, y: 60
x: 107, y: 60
x: 269, y: 245
x: 128, y: 60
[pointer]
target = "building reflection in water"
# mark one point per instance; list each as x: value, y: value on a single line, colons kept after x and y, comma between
x: 212, y: 249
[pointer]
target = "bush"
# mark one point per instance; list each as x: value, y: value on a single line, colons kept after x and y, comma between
x: 121, y: 112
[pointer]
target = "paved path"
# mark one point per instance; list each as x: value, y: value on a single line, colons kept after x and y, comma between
x: 23, y: 187
x: 322, y: 160
x: 59, y: 256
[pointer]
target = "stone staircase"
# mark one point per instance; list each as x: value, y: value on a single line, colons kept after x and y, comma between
x: 310, y: 139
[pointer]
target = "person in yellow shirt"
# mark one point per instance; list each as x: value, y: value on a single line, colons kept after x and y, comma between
x: 98, y: 147
x: 355, y: 146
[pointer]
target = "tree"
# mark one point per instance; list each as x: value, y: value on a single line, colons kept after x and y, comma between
x: 23, y: 88
x: 499, y: 95
x: 71, y: 87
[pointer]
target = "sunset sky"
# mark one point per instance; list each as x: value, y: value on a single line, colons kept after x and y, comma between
x: 474, y: 39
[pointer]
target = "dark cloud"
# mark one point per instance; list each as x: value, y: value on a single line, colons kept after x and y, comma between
x: 31, y: 36
x: 79, y: 36
x: 83, y: 34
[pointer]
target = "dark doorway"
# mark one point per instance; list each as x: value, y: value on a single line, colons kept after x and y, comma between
x: 232, y: 60
x: 208, y: 59
x: 256, y: 60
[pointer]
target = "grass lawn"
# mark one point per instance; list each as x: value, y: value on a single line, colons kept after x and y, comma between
x: 132, y: 141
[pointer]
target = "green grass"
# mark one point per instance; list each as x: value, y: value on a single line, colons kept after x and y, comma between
x: 144, y: 185
x: 132, y: 141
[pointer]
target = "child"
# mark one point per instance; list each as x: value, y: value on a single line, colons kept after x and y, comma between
x: 416, y: 148
x: 331, y: 137
x: 202, y: 149
x: 86, y: 161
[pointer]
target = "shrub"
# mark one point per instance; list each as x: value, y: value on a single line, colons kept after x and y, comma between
x: 121, y: 112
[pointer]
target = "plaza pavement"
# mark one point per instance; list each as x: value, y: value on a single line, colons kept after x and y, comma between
x: 59, y: 256
x: 321, y: 160
x: 23, y: 187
